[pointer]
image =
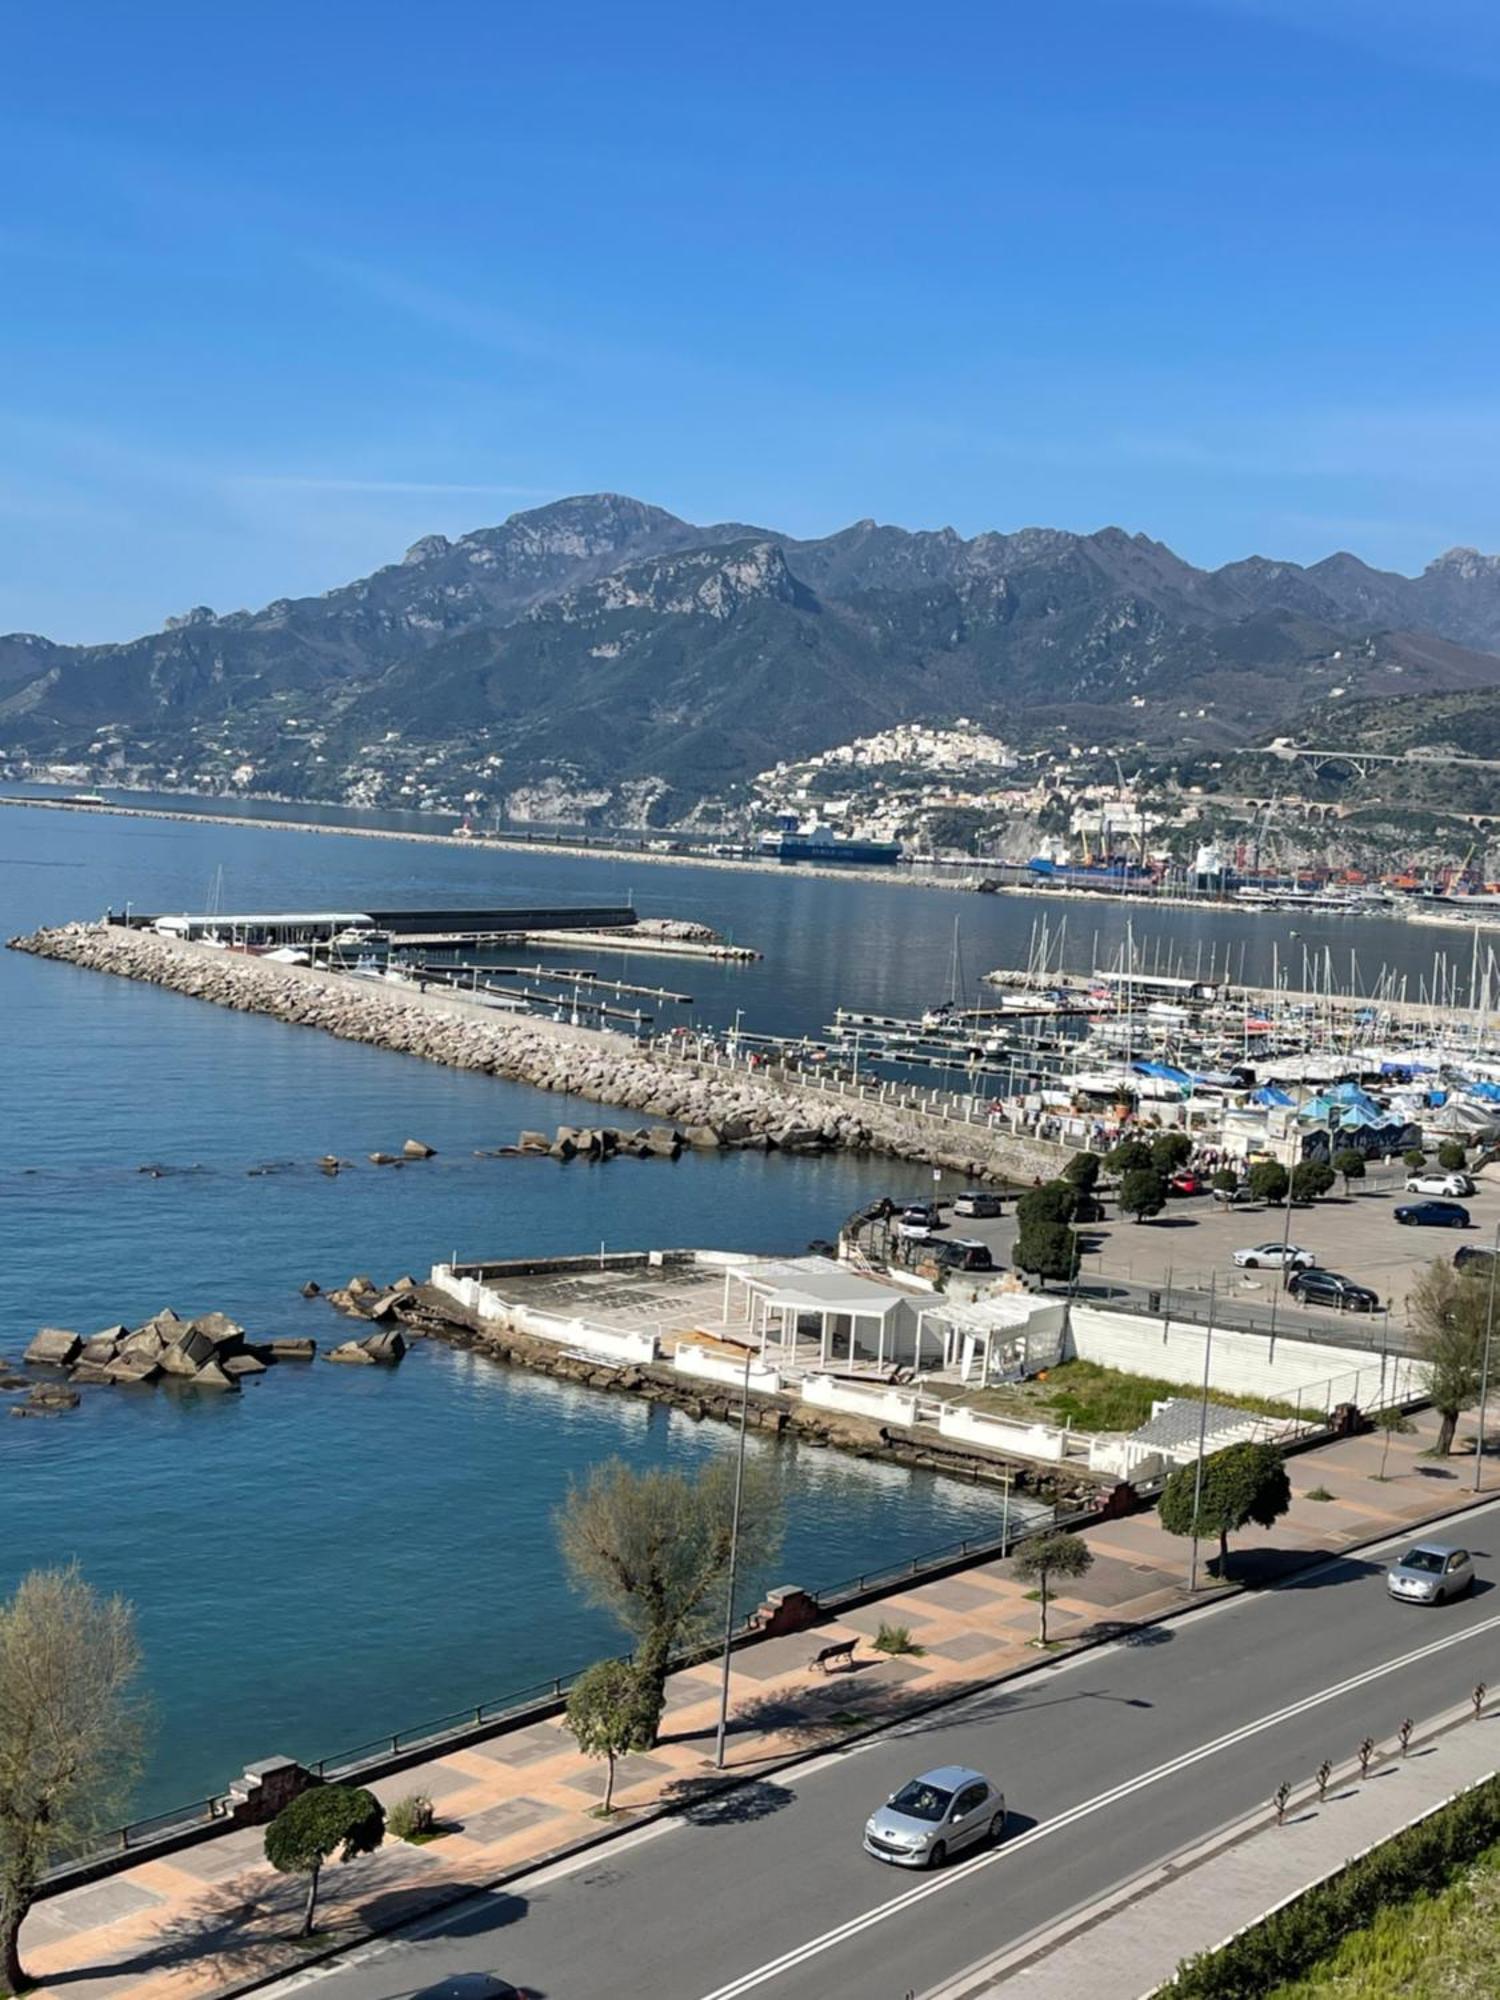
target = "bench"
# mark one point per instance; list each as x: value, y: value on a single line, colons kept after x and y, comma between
x: 842, y: 1649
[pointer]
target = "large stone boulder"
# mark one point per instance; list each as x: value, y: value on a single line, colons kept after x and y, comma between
x: 54, y: 1347
x: 414, y: 1149
x: 102, y: 1347
x: 146, y: 1341
x: 134, y: 1366
x: 534, y: 1142
x: 291, y: 1347
x: 706, y: 1138
x: 386, y: 1347
x: 212, y: 1376
x: 188, y: 1355
x: 237, y: 1365
x: 352, y: 1352
x: 664, y: 1140
x: 52, y: 1396
x: 219, y: 1328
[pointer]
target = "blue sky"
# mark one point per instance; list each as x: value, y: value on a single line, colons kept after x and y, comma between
x: 282, y: 288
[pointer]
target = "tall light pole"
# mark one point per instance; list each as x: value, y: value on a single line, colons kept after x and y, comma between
x: 1208, y: 1349
x: 734, y: 1559
x: 1484, y: 1367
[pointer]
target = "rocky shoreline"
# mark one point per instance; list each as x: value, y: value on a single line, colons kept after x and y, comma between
x: 710, y: 1108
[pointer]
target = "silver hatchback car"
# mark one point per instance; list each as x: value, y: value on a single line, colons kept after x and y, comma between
x: 1430, y: 1573
x: 933, y: 1816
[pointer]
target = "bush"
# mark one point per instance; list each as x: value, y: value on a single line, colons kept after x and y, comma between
x: 1047, y: 1250
x: 1226, y: 1180
x: 1452, y: 1157
x: 1143, y: 1192
x: 1171, y: 1151
x: 1269, y: 1181
x: 895, y: 1639
x: 1311, y: 1180
x: 1083, y: 1171
x: 410, y: 1818
x: 1421, y: 1859
x: 1349, y: 1165
x: 1415, y: 1159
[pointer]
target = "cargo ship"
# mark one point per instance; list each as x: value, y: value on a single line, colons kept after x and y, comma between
x: 1111, y: 871
x: 819, y: 843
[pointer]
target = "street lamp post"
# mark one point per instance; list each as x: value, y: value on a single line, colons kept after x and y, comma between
x: 1484, y: 1366
x: 734, y: 1557
x: 1208, y: 1349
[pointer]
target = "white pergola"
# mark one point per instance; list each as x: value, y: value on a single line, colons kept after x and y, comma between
x: 775, y: 1298
x: 988, y: 1337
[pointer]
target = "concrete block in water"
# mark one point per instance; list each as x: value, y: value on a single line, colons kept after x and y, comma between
x: 54, y: 1347
x: 288, y: 1347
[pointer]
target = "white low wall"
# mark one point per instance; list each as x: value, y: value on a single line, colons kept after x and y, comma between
x: 1041, y: 1441
x: 707, y: 1367
x: 886, y: 1406
x: 575, y: 1334
x: 1242, y: 1364
x: 1121, y: 1458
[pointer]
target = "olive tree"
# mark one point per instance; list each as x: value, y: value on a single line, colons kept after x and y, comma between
x: 1244, y: 1483
x: 653, y: 1549
x: 1450, y: 1312
x: 71, y: 1727
x: 328, y: 1820
x: 1043, y: 1557
x: 609, y: 1713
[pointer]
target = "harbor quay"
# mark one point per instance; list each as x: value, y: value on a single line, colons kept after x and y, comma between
x: 712, y: 1101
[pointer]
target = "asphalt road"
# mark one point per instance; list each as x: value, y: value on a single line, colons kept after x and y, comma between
x: 1109, y: 1762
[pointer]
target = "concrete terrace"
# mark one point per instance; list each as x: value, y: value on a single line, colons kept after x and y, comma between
x: 212, y: 1916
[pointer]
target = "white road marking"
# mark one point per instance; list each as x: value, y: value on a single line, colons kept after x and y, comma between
x: 936, y: 1886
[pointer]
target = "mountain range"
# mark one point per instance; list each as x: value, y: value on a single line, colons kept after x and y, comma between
x: 601, y: 642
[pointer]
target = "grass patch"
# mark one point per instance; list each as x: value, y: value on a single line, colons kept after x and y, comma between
x: 896, y: 1639
x: 1317, y: 1493
x: 845, y: 1718
x: 1094, y: 1398
x: 1442, y: 1945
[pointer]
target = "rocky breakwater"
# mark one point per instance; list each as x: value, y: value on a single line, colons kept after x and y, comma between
x: 710, y: 1107
x: 211, y: 1352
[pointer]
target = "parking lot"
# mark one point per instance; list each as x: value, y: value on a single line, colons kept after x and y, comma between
x: 1192, y: 1242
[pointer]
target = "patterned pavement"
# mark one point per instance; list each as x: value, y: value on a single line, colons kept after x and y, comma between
x: 215, y: 1916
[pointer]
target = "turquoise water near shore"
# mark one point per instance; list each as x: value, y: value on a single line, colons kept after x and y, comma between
x: 338, y: 1553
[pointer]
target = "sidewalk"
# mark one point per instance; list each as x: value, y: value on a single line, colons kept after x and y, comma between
x: 213, y: 1915
x: 1132, y: 1941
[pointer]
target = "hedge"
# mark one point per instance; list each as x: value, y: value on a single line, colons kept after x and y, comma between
x: 1289, y: 1942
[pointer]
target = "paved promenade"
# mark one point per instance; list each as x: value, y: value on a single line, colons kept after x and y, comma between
x: 214, y: 1916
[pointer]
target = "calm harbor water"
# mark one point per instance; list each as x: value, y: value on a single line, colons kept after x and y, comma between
x: 336, y: 1553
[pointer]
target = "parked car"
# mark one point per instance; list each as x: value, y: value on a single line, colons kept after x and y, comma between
x: 1470, y: 1253
x: 962, y: 1253
x: 982, y: 1207
x: 1430, y: 1573
x: 933, y: 1816
x: 1317, y: 1287
x: 914, y: 1225
x: 1434, y: 1215
x: 1187, y: 1182
x: 1445, y: 1184
x: 1233, y: 1197
x: 470, y: 1986
x: 1275, y: 1257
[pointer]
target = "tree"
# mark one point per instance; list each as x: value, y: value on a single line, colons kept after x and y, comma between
x: 1143, y: 1192
x: 326, y: 1820
x: 653, y: 1549
x: 1450, y: 1312
x: 1048, y: 1250
x: 1053, y: 1201
x: 1043, y: 1557
x: 1415, y: 1159
x: 1226, y: 1180
x: 1268, y: 1181
x: 1083, y: 1171
x: 71, y: 1728
x: 1170, y: 1151
x: 1244, y: 1483
x: 1311, y: 1180
x: 1393, y: 1422
x: 1128, y: 1156
x: 1349, y: 1165
x: 1452, y: 1157
x: 609, y: 1714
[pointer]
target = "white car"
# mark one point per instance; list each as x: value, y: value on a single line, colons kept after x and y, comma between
x: 1444, y: 1184
x: 915, y: 1228
x: 1275, y: 1257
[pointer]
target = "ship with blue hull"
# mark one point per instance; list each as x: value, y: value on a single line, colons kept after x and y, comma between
x: 1112, y: 872
x: 823, y: 844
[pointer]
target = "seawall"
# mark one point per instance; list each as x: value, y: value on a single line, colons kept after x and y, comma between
x: 713, y: 1106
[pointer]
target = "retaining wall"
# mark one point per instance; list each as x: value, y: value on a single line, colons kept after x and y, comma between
x: 1243, y: 1364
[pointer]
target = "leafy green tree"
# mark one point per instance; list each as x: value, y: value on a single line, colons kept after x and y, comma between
x: 1226, y: 1180
x: 1450, y: 1313
x: 1083, y: 1171
x: 1269, y: 1181
x: 71, y: 1727
x: 1047, y: 1250
x: 1244, y: 1483
x: 1041, y: 1558
x: 1349, y: 1165
x: 1143, y: 1193
x: 1169, y: 1151
x: 1452, y: 1157
x: 653, y: 1549
x: 1311, y: 1180
x: 610, y: 1713
x: 1128, y: 1157
x: 1415, y: 1159
x: 1053, y: 1201
x: 326, y: 1820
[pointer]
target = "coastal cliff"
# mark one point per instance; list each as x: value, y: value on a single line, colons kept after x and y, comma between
x: 712, y: 1106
